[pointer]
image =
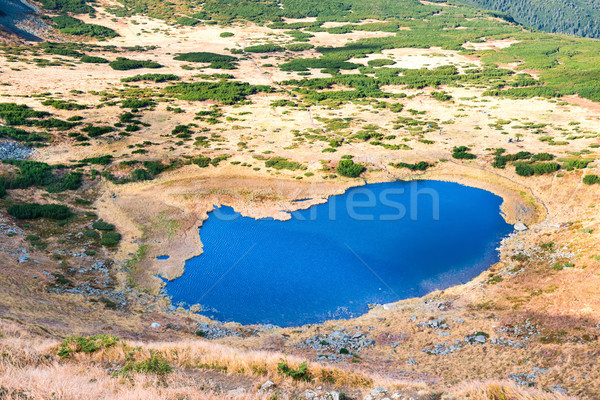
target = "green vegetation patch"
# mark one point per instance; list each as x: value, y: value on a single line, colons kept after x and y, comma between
x: 79, y: 344
x: 225, y: 92
x: 74, y: 26
x: 217, y: 61
x: 93, y: 60
x: 350, y: 169
x: 125, y: 64
x: 35, y: 210
x: 157, y: 78
x: 264, y: 48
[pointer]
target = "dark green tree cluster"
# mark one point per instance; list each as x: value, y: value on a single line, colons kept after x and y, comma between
x: 575, y: 17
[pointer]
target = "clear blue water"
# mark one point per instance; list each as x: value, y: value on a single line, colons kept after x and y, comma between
x: 162, y: 257
x: 332, y: 260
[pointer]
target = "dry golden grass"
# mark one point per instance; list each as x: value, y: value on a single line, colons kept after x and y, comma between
x: 29, y: 368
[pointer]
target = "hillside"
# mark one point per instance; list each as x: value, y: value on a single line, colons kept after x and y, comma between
x: 121, y: 133
x: 573, y: 17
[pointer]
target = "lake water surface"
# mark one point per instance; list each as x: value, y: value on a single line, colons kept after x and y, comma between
x: 377, y: 243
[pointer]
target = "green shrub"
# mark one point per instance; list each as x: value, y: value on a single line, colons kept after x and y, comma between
x: 380, y: 62
x: 226, y: 92
x: 125, y: 64
x: 283, y: 163
x: 545, y: 168
x: 73, y: 6
x: 151, y: 77
x: 103, y: 226
x: 204, y: 57
x: 34, y: 210
x: 140, y: 174
x: 78, y: 344
x: 591, y: 179
x: 299, y: 46
x: 63, y: 105
x: 264, y: 48
x: 100, y: 160
x: 441, y: 96
x: 74, y: 26
x: 92, y: 234
x: 226, y: 34
x: 202, y: 162
x: 524, y: 169
x: 419, y: 166
x: 20, y: 135
x: 543, y: 157
x: 187, y: 21
x: 462, y: 153
x: 110, y: 239
x: 94, y: 131
x: 93, y: 60
x: 153, y: 365
x: 349, y: 168
x: 136, y: 104
x: 301, y: 373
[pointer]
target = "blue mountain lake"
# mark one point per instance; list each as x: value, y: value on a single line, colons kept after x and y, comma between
x: 374, y: 244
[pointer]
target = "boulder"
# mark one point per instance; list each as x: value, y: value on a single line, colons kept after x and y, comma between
x: 520, y: 227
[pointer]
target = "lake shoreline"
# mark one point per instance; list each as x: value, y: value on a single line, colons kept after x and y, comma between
x: 508, y: 200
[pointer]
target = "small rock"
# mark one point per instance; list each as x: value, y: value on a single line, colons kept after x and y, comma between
x: 379, y: 392
x: 155, y: 325
x: 520, y: 227
x: 268, y: 385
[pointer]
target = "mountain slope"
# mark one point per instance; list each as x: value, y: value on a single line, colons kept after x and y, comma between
x: 19, y: 17
x: 575, y: 17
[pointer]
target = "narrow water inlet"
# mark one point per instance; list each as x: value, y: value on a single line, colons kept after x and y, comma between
x: 374, y: 244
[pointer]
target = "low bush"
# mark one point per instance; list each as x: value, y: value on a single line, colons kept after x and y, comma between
x: 94, y: 131
x: 110, y: 239
x: 591, y: 179
x: 74, y: 26
x: 380, y: 62
x: 100, y: 160
x: 264, y: 48
x: 79, y: 344
x: 187, y: 21
x: 202, y: 162
x: 462, y: 153
x: 152, y: 365
x: 283, y: 163
x: 301, y: 373
x: 350, y: 169
x: 103, y: 226
x: 93, y: 60
x: 204, y: 57
x: 151, y: 77
x: 125, y: 64
x: 73, y: 6
x: 299, y: 46
x: 524, y: 169
x: 35, y: 210
x: 140, y: 174
x: 92, y: 234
